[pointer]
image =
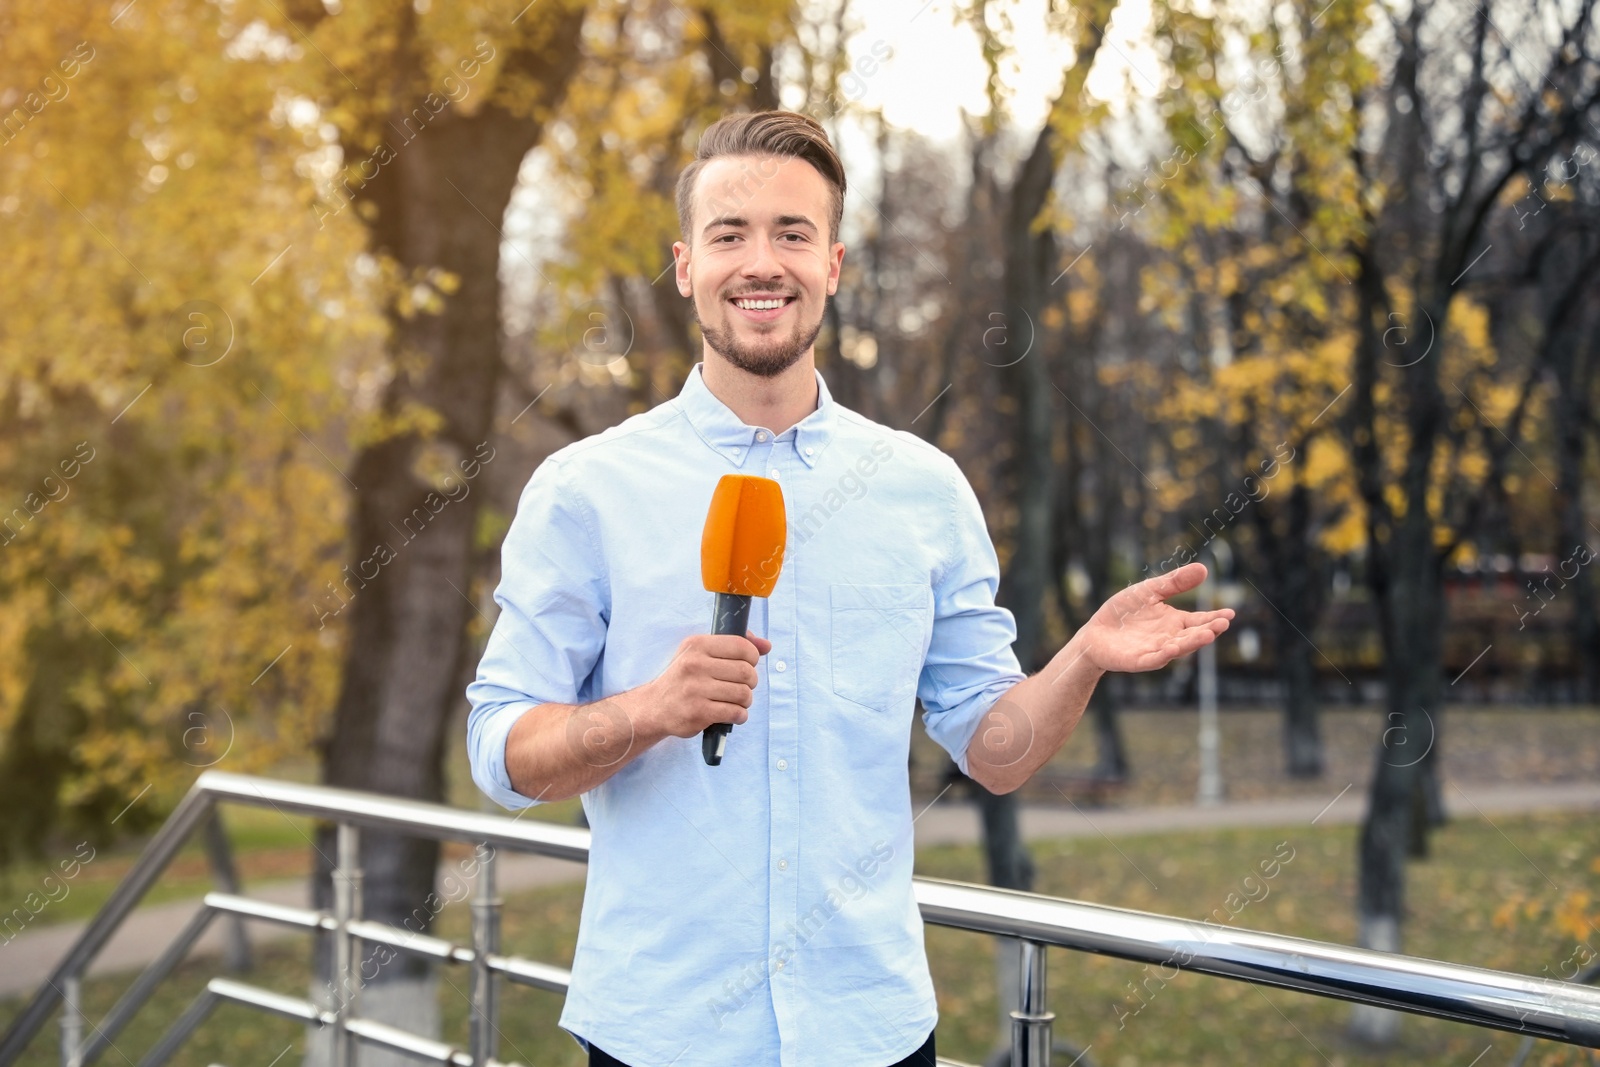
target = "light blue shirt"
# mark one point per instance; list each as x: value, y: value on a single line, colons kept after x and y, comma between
x: 760, y: 911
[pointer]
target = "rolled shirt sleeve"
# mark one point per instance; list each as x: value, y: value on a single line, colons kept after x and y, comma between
x: 970, y: 662
x: 551, y: 627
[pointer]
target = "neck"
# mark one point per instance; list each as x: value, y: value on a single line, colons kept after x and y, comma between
x: 775, y: 403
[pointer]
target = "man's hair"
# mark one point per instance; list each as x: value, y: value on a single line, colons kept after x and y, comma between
x: 760, y: 133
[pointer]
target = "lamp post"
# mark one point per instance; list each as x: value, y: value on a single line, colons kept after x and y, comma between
x: 1217, y: 556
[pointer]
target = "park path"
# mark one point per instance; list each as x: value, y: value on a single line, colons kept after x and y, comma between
x: 28, y: 959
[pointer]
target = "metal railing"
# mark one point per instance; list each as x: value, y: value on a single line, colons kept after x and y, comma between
x: 1520, y: 1004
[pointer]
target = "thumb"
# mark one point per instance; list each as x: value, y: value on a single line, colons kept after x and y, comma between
x: 763, y: 646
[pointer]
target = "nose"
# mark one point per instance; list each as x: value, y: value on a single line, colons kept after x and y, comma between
x: 762, y: 261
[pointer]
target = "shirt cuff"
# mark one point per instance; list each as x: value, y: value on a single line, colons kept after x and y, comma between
x: 489, y: 769
x: 960, y: 725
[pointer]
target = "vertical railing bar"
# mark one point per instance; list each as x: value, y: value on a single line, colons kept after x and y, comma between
x: 72, y: 1021
x: 486, y: 905
x: 346, y: 909
x: 1030, y: 1024
x: 357, y: 912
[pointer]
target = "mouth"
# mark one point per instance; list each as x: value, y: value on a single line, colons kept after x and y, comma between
x: 768, y: 310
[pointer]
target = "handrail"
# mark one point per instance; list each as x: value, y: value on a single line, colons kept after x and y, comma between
x: 1478, y: 996
x: 1497, y: 1000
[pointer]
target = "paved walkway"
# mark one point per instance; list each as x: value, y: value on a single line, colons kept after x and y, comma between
x: 26, y: 960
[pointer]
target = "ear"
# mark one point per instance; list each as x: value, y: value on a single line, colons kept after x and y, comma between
x: 680, y: 255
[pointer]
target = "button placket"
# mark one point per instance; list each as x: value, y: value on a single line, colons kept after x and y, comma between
x: 783, y: 788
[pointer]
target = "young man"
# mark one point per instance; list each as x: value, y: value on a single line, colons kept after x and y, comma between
x: 761, y: 911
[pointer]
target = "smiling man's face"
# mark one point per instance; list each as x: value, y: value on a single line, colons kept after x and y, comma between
x: 760, y: 230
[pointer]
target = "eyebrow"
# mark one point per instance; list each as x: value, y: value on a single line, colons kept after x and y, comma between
x: 740, y: 220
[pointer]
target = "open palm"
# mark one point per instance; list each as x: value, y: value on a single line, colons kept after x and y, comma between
x: 1137, y: 630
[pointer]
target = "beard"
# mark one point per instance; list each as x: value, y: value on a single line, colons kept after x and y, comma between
x: 770, y: 355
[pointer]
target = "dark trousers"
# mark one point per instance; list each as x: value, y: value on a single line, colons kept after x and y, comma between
x: 923, y: 1057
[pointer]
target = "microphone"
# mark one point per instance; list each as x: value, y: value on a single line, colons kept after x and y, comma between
x: 741, y: 553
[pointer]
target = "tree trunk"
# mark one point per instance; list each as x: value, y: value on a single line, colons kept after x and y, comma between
x: 1031, y: 467
x: 439, y: 204
x: 1412, y: 612
x: 1026, y: 379
x: 1409, y: 588
x: 1302, y: 727
x: 1296, y: 561
x: 1405, y: 570
x: 1569, y: 354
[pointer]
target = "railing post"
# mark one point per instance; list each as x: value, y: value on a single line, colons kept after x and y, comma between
x: 72, y: 1022
x: 1030, y: 1024
x: 485, y: 943
x: 346, y: 968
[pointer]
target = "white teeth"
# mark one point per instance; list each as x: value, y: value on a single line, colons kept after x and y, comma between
x: 759, y: 305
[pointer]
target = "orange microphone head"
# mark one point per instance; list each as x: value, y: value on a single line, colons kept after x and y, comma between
x: 741, y: 551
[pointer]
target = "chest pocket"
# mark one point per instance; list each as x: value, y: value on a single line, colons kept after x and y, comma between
x: 877, y: 640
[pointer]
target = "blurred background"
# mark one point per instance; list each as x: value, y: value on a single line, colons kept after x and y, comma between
x: 295, y: 295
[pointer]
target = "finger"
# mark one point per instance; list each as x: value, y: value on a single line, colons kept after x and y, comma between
x: 733, y: 693
x: 732, y: 646
x: 763, y: 646
x: 730, y: 713
x: 734, y: 669
x: 1181, y: 580
x: 1204, y: 618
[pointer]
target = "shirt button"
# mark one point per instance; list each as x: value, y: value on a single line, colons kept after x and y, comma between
x: 761, y: 436
x: 782, y: 666
x: 779, y: 967
x: 772, y: 474
x: 783, y: 765
x: 737, y: 450
x: 783, y: 865
x: 808, y: 451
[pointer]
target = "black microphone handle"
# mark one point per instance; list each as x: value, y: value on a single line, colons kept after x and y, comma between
x: 729, y: 615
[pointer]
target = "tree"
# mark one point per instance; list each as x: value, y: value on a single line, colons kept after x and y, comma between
x: 168, y: 516
x: 1456, y: 136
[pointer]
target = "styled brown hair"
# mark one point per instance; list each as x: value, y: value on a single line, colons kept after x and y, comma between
x: 760, y: 133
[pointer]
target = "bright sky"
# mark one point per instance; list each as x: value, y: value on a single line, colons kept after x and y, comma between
x: 934, y: 70
x: 936, y: 67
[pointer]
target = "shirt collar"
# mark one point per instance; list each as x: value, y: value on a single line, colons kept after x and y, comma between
x: 727, y: 434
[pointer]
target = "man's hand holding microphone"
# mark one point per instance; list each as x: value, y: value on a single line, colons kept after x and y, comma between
x: 555, y: 751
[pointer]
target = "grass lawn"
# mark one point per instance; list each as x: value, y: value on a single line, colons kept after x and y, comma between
x: 1191, y: 1019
